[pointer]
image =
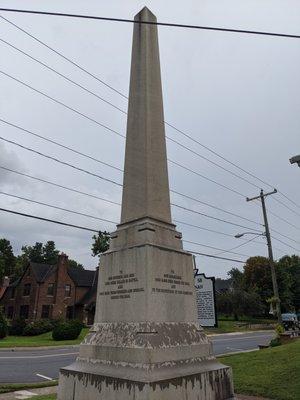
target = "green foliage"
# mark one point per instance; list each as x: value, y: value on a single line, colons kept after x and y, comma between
x: 73, y: 263
x: 68, y: 330
x: 279, y: 329
x: 17, y: 327
x: 238, y: 303
x: 41, y: 253
x: 3, y: 325
x: 38, y: 327
x: 7, y: 258
x: 101, y: 243
x: 275, y: 342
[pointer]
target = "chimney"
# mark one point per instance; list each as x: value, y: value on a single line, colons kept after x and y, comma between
x: 4, y: 285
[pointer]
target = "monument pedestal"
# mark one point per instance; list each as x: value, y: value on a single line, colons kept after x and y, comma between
x: 132, y: 352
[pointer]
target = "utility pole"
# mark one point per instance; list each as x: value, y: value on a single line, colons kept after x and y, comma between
x: 270, y: 250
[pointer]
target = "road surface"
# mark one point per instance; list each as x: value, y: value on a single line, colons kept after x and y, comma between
x: 24, y: 366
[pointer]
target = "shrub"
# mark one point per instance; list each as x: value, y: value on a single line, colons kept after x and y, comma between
x: 38, y: 327
x: 3, y: 325
x: 68, y: 330
x: 17, y: 327
x: 275, y: 342
x: 279, y: 329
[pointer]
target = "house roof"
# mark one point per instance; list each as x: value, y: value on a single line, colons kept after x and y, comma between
x: 223, y: 284
x: 90, y: 296
x: 42, y: 271
x: 81, y: 277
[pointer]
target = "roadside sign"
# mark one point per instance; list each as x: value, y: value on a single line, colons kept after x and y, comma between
x: 206, y: 300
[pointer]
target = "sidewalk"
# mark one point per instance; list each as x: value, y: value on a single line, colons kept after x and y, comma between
x: 28, y: 394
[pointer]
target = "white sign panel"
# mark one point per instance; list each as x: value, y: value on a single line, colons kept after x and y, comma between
x: 206, y: 306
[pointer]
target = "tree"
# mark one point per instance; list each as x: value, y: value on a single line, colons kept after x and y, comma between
x: 75, y: 264
x: 41, y: 253
x: 49, y: 253
x: 291, y: 265
x: 101, y: 243
x: 7, y: 258
x: 237, y: 278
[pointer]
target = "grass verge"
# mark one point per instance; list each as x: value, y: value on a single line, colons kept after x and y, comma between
x: 272, y: 373
x: 46, y: 397
x: 40, y: 340
x: 227, y: 326
x: 12, y: 387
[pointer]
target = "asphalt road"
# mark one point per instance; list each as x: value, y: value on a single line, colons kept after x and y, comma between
x: 24, y: 366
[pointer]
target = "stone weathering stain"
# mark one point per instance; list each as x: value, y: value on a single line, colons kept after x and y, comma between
x: 146, y: 343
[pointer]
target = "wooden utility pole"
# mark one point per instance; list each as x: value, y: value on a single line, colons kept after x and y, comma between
x: 270, y: 250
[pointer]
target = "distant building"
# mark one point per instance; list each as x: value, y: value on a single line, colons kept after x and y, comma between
x: 52, y: 291
x: 223, y: 285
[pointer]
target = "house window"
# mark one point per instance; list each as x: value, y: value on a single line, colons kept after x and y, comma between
x: 26, y: 289
x: 24, y: 311
x: 46, y: 311
x: 13, y: 292
x: 10, y: 312
x: 67, y: 290
x: 50, y: 290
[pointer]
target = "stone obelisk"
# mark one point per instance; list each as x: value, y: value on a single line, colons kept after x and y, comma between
x: 146, y: 343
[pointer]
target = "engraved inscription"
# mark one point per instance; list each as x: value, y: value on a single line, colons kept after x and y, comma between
x: 172, y: 284
x: 121, y: 286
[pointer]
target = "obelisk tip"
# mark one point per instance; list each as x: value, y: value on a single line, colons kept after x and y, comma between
x: 145, y: 15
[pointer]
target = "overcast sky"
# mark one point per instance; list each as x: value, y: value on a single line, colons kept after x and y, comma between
x: 237, y: 94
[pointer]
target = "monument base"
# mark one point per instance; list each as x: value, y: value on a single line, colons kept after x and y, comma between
x: 213, y: 381
x: 127, y: 361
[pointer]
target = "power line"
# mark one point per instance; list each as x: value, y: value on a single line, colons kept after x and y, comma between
x: 174, y: 205
x: 206, y: 178
x: 119, y: 169
x: 237, y: 247
x: 61, y: 103
x: 57, y: 207
x: 209, y: 216
x: 63, y: 56
x: 61, y: 145
x: 122, y: 111
x: 61, y: 162
x: 215, y: 248
x: 119, y: 184
x: 284, y: 220
x: 284, y: 205
x: 63, y: 76
x: 167, y: 24
x: 211, y: 162
x: 126, y: 97
x: 215, y: 207
x: 48, y: 220
x: 58, y: 185
x: 96, y: 231
x: 281, y: 241
x: 216, y: 257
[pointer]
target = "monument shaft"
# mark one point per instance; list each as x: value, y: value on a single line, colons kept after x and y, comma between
x: 146, y: 343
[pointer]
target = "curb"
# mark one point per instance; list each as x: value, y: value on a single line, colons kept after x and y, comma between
x: 240, y: 333
x: 32, y: 348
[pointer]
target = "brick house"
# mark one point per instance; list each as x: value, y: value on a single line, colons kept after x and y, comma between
x: 52, y: 291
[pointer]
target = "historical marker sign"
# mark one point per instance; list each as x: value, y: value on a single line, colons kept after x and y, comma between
x: 206, y: 304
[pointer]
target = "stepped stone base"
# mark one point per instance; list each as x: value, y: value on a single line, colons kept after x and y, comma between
x: 88, y: 382
x: 137, y: 368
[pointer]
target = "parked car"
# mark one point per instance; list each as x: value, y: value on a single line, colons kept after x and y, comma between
x: 290, y: 321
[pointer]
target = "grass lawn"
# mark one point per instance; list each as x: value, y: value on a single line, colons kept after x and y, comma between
x: 41, y: 340
x: 272, y: 373
x: 46, y: 397
x: 11, y: 387
x: 226, y: 326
